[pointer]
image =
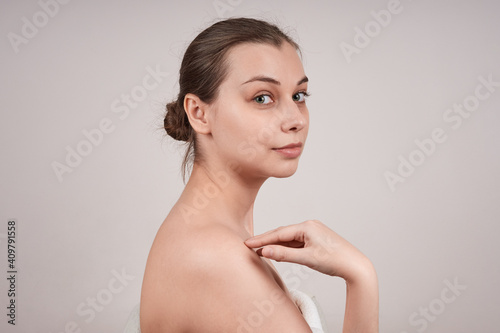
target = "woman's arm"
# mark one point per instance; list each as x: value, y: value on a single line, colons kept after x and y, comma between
x: 313, y: 244
x: 361, y: 310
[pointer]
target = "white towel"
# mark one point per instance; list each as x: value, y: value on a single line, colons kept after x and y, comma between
x: 306, y: 304
x: 309, y: 310
x: 133, y: 323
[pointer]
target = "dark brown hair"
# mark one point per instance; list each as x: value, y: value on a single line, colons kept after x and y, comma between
x: 204, y: 68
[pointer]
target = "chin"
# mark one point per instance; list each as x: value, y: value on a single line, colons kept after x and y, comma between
x: 285, y: 171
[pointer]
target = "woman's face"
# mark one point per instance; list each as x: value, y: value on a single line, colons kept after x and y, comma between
x: 260, y: 108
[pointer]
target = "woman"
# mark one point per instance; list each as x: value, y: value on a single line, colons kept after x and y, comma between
x: 241, y: 109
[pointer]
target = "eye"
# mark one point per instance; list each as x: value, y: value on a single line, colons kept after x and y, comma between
x: 263, y: 99
x: 300, y: 96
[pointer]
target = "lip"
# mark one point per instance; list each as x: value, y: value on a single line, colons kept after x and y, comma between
x: 292, y: 150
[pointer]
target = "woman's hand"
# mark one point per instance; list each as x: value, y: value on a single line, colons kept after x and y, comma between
x: 313, y: 244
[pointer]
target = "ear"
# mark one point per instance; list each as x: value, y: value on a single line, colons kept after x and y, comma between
x: 197, y: 112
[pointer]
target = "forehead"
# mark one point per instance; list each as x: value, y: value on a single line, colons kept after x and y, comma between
x: 251, y: 59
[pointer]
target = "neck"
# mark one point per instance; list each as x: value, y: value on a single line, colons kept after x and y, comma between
x: 221, y: 195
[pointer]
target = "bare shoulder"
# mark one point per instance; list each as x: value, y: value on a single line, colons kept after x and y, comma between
x: 206, y: 280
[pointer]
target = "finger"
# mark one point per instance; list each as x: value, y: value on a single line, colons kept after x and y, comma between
x: 285, y: 233
x: 291, y: 233
x: 293, y: 244
x: 288, y: 238
x: 286, y: 254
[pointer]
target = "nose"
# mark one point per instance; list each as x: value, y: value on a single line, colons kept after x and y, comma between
x: 295, y: 117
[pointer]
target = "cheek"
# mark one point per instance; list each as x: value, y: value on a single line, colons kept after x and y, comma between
x: 266, y: 129
x: 234, y: 131
x: 265, y: 137
x: 249, y: 126
x: 261, y: 131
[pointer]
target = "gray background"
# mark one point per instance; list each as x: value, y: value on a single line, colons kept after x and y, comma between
x: 439, y: 226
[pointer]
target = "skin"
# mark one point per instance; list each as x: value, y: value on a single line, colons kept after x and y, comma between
x: 203, y: 274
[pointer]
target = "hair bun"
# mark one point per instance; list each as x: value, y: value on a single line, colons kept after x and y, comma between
x: 176, y: 123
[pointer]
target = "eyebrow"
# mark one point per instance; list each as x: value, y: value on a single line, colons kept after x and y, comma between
x: 263, y: 78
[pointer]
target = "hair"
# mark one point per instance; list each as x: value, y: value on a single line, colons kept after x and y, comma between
x: 204, y: 68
